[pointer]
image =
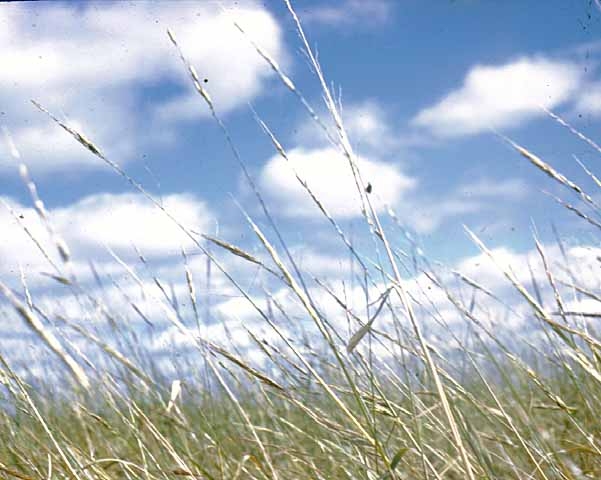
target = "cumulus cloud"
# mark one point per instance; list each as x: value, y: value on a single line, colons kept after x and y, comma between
x: 45, y: 147
x: 501, y: 96
x: 374, y: 136
x: 232, y: 317
x: 89, y: 63
x: 329, y: 176
x: 438, y: 316
x: 328, y: 173
x: 119, y: 221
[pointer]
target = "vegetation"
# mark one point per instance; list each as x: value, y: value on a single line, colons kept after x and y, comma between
x: 365, y: 397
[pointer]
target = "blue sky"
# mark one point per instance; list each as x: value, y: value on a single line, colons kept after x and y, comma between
x: 396, y: 63
x: 422, y: 86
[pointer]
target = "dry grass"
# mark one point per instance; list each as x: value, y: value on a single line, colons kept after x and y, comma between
x: 378, y: 400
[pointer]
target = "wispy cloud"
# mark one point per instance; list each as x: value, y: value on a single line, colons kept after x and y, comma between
x: 589, y: 101
x: 426, y: 213
x: 501, y: 96
x: 350, y: 13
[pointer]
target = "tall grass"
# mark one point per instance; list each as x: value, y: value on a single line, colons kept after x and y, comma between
x: 395, y: 390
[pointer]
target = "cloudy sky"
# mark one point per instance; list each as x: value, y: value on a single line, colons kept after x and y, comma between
x: 425, y: 90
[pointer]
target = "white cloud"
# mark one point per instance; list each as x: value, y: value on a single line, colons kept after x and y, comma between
x: 368, y: 125
x: 357, y: 13
x: 329, y: 176
x: 373, y: 136
x: 321, y: 264
x: 436, y: 313
x: 510, y: 189
x: 120, y: 221
x: 426, y: 213
x: 365, y: 120
x: 123, y: 220
x: 16, y: 248
x: 45, y: 147
x: 429, y: 215
x: 92, y: 62
x: 98, y: 46
x: 501, y: 96
x: 590, y: 100
x: 588, y: 306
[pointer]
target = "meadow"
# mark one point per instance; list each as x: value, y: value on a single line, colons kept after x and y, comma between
x: 397, y: 389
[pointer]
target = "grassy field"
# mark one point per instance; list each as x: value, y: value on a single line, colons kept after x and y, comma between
x: 366, y: 397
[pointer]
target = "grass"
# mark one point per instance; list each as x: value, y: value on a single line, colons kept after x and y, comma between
x: 374, y: 397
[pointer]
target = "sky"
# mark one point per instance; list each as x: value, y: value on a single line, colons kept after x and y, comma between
x: 427, y: 91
